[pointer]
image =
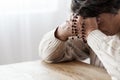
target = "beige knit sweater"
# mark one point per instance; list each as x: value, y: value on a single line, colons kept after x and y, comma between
x: 102, y: 50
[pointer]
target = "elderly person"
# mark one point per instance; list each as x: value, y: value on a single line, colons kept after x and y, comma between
x: 97, y: 26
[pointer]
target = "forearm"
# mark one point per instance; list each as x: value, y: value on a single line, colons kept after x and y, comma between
x: 49, y: 45
x: 107, y: 49
x: 52, y: 49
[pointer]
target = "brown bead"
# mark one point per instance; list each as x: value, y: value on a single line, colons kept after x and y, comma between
x: 83, y: 36
x: 82, y: 30
x: 74, y: 20
x: 76, y: 17
x: 74, y: 26
x: 75, y: 29
x: 84, y: 40
x: 75, y: 23
x: 83, y: 24
x: 72, y: 38
x: 72, y: 32
x: 83, y: 33
x: 78, y: 37
x: 76, y: 33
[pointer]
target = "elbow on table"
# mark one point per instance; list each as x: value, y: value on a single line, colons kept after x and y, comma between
x: 45, y: 57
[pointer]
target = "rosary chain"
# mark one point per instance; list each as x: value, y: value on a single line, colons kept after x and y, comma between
x: 75, y: 31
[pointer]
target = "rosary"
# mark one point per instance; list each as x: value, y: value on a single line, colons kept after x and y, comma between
x: 75, y: 31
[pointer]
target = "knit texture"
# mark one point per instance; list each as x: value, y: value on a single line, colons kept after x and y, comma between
x: 103, y: 51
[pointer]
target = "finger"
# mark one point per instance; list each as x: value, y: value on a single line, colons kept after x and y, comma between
x: 71, y: 17
x: 80, y: 20
x: 69, y: 23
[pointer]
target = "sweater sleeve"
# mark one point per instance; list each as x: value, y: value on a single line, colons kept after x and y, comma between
x: 107, y: 48
x: 54, y: 50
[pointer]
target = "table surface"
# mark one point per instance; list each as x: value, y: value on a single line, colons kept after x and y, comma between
x: 39, y: 70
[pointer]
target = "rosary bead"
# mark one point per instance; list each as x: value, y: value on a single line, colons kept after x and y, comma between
x: 72, y: 32
x: 82, y: 30
x: 83, y: 39
x: 75, y: 29
x: 83, y: 33
x: 74, y: 20
x: 76, y: 17
x: 76, y: 33
x: 83, y: 26
x: 72, y: 29
x: 83, y: 36
x: 72, y: 38
x: 78, y: 37
x: 74, y: 26
x: 75, y: 23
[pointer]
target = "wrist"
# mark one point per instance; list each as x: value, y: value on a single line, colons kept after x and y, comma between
x: 59, y: 35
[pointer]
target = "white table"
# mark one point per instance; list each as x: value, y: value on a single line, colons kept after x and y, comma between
x: 38, y: 70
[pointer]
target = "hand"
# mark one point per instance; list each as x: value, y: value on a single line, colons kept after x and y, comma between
x: 90, y: 25
x: 65, y: 30
x: 86, y: 26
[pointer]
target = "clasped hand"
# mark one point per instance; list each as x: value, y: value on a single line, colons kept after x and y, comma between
x: 65, y: 30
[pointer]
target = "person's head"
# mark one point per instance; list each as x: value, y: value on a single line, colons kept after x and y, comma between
x: 92, y: 8
x: 107, y: 10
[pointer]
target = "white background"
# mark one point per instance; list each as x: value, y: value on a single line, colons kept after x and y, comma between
x: 23, y: 23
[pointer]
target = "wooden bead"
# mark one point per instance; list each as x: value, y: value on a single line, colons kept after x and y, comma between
x: 76, y: 33
x: 72, y: 38
x: 83, y: 26
x: 83, y: 30
x: 75, y: 23
x: 72, y: 32
x: 78, y: 37
x: 75, y: 29
x: 74, y: 26
x: 83, y: 36
x: 83, y: 33
x: 84, y: 40
x: 76, y: 17
x: 74, y: 20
